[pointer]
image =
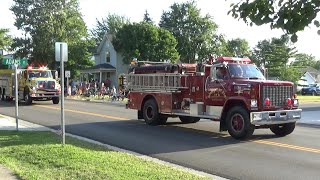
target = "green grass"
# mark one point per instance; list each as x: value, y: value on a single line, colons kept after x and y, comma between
x: 309, y: 99
x: 39, y: 155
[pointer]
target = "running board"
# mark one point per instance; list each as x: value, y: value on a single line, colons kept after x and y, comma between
x: 191, y: 115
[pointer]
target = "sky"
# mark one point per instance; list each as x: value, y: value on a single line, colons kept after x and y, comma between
x: 134, y: 10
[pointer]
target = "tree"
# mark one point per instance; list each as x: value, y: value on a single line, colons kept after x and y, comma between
x: 5, y: 39
x: 290, y: 16
x: 195, y: 34
x: 47, y: 22
x: 145, y: 41
x: 238, y: 47
x: 147, y: 18
x: 291, y: 74
x: 304, y: 60
x: 111, y: 24
x: 274, y: 55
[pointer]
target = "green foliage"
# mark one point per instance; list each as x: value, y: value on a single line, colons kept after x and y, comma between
x: 290, y: 73
x: 39, y: 155
x: 304, y: 60
x: 195, y: 34
x: 273, y: 54
x: 47, y: 22
x: 147, y: 18
x: 238, y: 47
x: 111, y: 24
x: 5, y: 39
x: 290, y: 16
x: 146, y: 42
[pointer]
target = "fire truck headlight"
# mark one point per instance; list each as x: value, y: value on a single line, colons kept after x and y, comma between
x: 257, y: 116
x: 254, y: 103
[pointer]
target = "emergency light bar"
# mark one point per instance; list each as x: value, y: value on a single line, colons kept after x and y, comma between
x: 40, y: 68
x: 234, y: 60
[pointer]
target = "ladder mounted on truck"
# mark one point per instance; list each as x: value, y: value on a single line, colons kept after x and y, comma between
x: 156, y: 82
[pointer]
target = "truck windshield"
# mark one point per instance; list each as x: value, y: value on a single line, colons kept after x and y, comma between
x: 249, y: 71
x: 39, y: 74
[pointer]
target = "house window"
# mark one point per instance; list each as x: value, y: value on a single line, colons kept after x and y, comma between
x: 107, y: 56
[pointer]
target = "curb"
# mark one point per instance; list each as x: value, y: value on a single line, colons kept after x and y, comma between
x: 36, y: 127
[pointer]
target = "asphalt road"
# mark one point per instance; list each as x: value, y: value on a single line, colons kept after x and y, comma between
x: 199, y: 146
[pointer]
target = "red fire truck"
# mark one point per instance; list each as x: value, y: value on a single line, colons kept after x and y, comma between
x: 230, y: 90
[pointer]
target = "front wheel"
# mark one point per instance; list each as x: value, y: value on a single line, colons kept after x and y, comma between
x: 238, y: 123
x: 55, y: 100
x: 27, y: 99
x: 283, y: 129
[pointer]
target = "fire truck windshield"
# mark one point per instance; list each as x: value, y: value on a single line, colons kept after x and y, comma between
x: 249, y: 71
x: 39, y: 74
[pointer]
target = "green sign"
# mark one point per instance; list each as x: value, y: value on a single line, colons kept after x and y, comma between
x: 20, y: 62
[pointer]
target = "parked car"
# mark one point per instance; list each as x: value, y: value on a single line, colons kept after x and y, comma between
x: 312, y: 89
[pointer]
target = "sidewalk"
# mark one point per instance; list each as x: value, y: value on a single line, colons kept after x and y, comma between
x: 92, y: 99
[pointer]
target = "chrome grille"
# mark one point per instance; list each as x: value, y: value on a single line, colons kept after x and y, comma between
x: 276, y: 94
x: 46, y: 84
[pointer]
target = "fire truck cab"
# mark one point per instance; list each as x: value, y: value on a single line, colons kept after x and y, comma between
x: 230, y: 90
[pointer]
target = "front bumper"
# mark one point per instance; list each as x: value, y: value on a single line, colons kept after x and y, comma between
x: 45, y: 95
x: 275, y: 117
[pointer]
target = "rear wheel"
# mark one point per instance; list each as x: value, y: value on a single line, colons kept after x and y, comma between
x: 283, y: 129
x: 55, y: 100
x: 151, y: 113
x: 238, y: 123
x: 188, y: 119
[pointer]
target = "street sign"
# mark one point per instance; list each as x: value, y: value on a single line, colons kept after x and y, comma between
x: 67, y: 74
x: 20, y: 62
x: 64, y: 51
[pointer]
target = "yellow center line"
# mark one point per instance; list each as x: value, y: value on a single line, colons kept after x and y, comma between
x: 83, y: 112
x: 301, y: 148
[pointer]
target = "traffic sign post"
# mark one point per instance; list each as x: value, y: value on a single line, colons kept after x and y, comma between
x: 16, y: 94
x: 61, y: 53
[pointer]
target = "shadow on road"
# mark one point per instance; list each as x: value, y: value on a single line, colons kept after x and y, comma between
x: 136, y: 136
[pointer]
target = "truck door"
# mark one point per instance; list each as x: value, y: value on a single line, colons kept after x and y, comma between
x: 216, y: 92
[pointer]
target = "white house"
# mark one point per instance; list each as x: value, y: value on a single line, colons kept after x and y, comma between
x: 108, y: 63
x: 310, y: 75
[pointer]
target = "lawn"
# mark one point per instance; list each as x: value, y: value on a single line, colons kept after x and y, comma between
x: 309, y: 99
x: 39, y: 155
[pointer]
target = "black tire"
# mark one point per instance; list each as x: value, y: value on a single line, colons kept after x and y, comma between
x: 188, y: 119
x: 55, y: 100
x: 163, y: 119
x: 283, y: 129
x: 238, y: 123
x: 27, y: 98
x: 151, y: 113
